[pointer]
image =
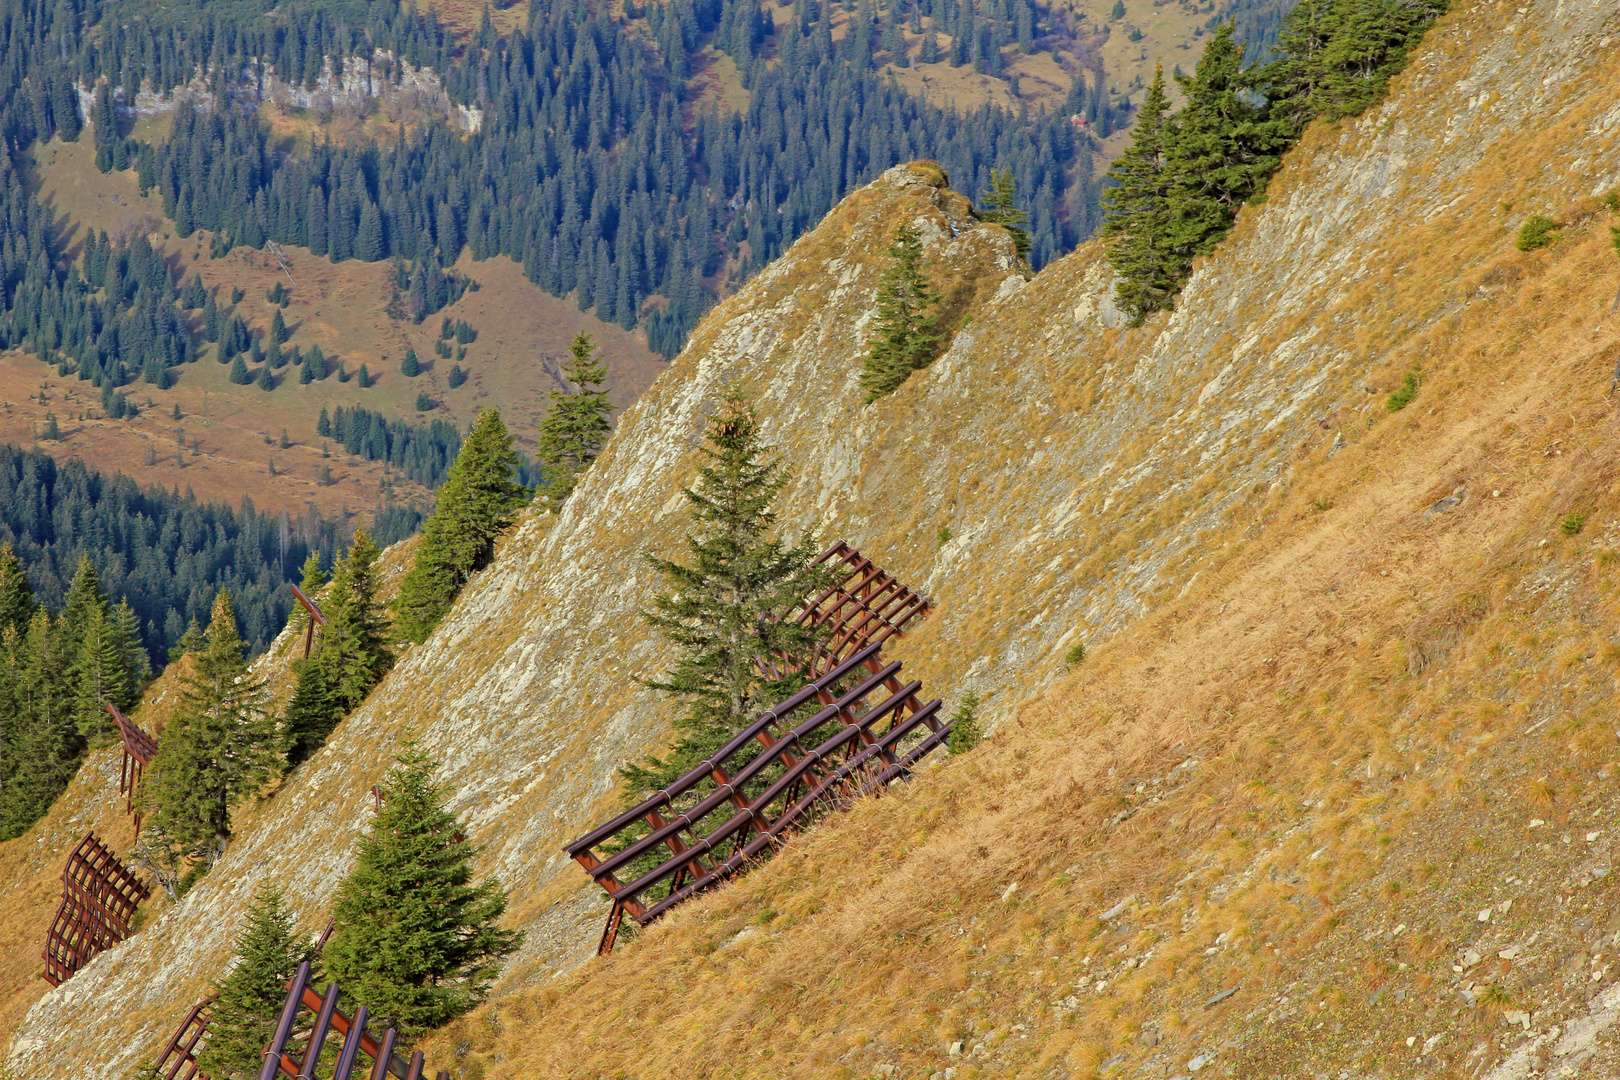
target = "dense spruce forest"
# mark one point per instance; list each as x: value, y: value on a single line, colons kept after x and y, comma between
x: 164, y: 553
x: 589, y: 165
x: 422, y: 452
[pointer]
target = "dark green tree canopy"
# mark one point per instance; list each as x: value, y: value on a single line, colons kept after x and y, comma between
x: 1176, y: 191
x: 414, y: 940
x: 354, y: 653
x: 907, y: 331
x: 723, y: 609
x: 221, y: 747
x: 577, y: 427
x: 476, y: 502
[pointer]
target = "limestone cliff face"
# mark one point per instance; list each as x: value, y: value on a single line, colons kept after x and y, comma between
x: 1045, y: 482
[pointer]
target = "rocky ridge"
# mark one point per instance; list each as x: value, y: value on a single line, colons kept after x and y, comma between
x: 1050, y: 480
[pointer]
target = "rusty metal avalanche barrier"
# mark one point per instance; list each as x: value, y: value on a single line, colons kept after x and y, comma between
x: 720, y: 817
x: 279, y: 1058
x: 139, y: 750
x: 865, y: 604
x: 99, y: 895
x: 316, y: 618
x: 179, y: 1058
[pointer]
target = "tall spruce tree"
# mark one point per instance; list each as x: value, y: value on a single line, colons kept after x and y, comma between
x: 577, y: 427
x: 1136, y: 212
x: 220, y: 747
x: 1000, y: 207
x: 11, y: 720
x: 908, y: 337
x: 16, y: 595
x: 414, y: 940
x: 477, y: 501
x: 85, y: 597
x: 354, y: 652
x: 723, y: 611
x: 1219, y: 151
x: 101, y: 676
x: 45, y: 745
x: 249, y: 1000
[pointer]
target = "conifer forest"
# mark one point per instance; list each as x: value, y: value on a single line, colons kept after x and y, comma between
x: 586, y: 163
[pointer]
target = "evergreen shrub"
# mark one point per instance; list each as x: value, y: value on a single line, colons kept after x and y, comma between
x: 1536, y: 233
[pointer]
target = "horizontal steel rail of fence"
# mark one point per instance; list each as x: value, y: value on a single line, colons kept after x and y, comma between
x: 99, y: 896
x: 179, y: 1058
x: 139, y: 750
x: 327, y: 1018
x: 865, y: 604
x: 724, y: 814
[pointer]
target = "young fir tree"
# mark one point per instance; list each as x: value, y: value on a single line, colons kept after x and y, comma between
x: 354, y: 652
x: 45, y: 744
x: 414, y: 940
x: 965, y: 730
x: 249, y: 1000
x: 138, y: 665
x: 220, y: 747
x: 1001, y: 208
x: 476, y: 502
x: 723, y: 609
x: 907, y: 334
x: 16, y: 595
x: 577, y: 427
x: 1136, y: 215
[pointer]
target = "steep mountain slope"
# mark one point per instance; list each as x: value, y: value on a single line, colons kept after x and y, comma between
x: 31, y: 865
x: 1270, y: 776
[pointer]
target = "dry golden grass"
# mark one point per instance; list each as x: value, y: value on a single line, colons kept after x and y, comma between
x: 1360, y: 708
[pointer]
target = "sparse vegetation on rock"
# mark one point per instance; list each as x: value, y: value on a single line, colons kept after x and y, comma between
x: 965, y: 730
x: 1536, y: 233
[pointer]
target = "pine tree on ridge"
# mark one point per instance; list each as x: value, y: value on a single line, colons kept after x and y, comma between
x: 577, y: 427
x: 908, y: 337
x: 414, y: 940
x: 476, y: 502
